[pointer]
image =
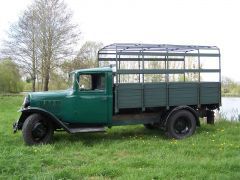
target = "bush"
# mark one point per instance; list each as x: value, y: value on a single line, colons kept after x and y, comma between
x: 10, y: 79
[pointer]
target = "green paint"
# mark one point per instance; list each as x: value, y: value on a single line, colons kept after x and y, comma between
x: 90, y: 100
x: 77, y: 105
x: 212, y: 152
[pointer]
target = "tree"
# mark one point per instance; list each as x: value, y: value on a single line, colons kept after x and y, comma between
x: 43, y: 37
x: 22, y: 44
x: 86, y: 57
x: 229, y: 87
x: 57, y: 35
x: 10, y: 80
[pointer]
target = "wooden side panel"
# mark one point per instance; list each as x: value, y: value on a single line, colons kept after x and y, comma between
x: 129, y: 95
x: 210, y: 93
x: 183, y: 94
x: 155, y: 94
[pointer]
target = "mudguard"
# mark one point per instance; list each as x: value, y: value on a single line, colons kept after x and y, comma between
x: 193, y: 111
x: 51, y: 117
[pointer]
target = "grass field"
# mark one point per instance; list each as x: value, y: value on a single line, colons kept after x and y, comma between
x: 130, y: 152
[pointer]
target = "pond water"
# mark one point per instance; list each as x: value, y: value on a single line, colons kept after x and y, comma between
x: 230, y: 108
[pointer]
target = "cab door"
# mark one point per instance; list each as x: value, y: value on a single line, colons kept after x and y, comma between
x: 92, y: 98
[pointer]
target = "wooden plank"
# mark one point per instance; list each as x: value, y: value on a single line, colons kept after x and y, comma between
x: 155, y: 94
x: 180, y: 93
x: 129, y: 95
x: 209, y: 93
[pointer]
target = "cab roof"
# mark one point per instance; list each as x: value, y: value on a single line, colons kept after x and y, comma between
x: 99, y: 69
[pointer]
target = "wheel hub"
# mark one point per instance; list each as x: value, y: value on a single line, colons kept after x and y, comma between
x: 39, y: 131
x: 181, y: 126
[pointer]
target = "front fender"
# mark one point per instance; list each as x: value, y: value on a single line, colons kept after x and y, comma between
x: 51, y: 117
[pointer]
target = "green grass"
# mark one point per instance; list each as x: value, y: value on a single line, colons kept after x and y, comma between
x: 129, y: 152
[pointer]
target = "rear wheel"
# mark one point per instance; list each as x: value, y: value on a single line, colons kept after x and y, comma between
x: 37, y: 130
x: 181, y: 124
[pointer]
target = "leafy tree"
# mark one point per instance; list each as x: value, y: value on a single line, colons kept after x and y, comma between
x: 86, y: 57
x: 22, y: 44
x: 10, y: 80
x: 229, y: 87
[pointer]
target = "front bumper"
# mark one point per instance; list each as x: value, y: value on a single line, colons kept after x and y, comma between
x: 16, y: 124
x: 15, y: 127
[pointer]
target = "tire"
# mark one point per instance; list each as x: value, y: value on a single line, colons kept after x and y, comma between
x: 181, y: 124
x: 37, y: 130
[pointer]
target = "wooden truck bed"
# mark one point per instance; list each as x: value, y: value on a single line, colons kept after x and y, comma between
x: 198, y: 69
x: 137, y: 95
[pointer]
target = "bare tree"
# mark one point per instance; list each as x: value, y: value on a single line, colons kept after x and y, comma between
x: 42, y: 39
x: 57, y: 35
x: 21, y: 45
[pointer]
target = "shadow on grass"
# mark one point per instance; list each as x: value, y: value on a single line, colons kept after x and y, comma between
x: 124, y: 133
x: 114, y: 134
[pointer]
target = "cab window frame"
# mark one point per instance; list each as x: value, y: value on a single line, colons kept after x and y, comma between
x: 92, y: 74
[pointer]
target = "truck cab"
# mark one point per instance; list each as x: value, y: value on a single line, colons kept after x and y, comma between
x: 92, y: 90
x: 85, y: 107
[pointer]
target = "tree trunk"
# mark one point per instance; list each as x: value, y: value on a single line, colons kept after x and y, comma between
x: 47, y: 74
x: 37, y: 80
x: 33, y: 84
x: 42, y: 75
x: 33, y: 54
x: 46, y: 81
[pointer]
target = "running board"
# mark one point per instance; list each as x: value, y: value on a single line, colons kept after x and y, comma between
x: 86, y: 129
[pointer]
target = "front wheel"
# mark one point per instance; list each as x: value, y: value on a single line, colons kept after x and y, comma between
x: 181, y: 124
x: 37, y: 130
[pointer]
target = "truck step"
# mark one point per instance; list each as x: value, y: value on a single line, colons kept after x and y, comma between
x: 87, y: 129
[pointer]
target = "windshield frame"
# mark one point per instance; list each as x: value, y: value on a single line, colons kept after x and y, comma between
x: 71, y: 80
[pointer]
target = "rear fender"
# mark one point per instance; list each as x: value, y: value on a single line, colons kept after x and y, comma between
x: 51, y: 117
x: 193, y: 111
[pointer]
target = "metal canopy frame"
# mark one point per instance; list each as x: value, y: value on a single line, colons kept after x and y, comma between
x: 140, y: 53
x: 119, y: 52
x: 146, y: 49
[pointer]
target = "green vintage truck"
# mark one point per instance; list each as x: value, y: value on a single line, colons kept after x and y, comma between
x: 161, y: 86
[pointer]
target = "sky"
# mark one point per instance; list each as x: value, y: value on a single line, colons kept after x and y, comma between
x: 186, y: 22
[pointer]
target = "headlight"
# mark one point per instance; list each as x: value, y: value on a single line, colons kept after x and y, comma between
x: 26, y: 102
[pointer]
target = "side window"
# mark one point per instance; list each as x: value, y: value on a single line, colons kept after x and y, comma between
x: 98, y: 81
x: 85, y: 82
x: 92, y: 82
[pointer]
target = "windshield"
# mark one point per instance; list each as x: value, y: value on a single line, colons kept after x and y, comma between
x: 70, y: 81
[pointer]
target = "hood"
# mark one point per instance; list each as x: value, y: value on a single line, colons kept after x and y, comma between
x: 38, y: 98
x: 49, y: 94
